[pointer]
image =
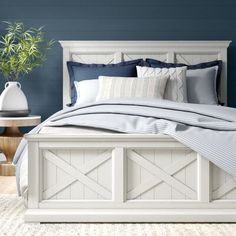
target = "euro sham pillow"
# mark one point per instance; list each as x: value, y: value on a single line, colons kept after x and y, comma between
x: 194, y: 71
x: 132, y: 87
x: 176, y: 89
x: 86, y: 91
x: 79, y: 71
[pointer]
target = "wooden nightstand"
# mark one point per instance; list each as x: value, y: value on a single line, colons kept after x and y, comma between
x: 11, y: 137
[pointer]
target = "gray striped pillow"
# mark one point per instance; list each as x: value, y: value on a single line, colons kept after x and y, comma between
x: 131, y: 87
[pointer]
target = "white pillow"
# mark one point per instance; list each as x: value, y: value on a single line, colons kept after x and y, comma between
x: 176, y: 88
x: 86, y: 91
x: 131, y: 87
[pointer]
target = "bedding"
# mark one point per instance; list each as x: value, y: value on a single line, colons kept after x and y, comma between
x: 131, y: 87
x: 80, y: 71
x: 207, y: 129
x: 176, y: 89
x: 203, y: 79
x: 2, y: 157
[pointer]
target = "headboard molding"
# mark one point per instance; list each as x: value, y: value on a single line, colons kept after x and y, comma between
x: 189, y: 52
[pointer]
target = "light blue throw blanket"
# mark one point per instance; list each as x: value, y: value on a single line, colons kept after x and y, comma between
x: 207, y: 129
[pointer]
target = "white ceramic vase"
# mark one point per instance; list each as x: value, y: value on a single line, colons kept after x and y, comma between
x: 13, y: 98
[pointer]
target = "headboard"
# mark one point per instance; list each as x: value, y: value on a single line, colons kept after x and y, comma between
x: 188, y: 52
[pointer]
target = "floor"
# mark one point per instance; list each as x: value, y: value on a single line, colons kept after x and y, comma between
x: 8, y: 184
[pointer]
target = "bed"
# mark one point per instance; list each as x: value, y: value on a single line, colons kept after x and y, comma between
x: 85, y: 176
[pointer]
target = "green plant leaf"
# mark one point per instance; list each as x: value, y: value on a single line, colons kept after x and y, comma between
x: 22, y: 50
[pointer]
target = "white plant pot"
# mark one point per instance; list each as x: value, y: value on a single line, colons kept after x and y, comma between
x: 13, y: 98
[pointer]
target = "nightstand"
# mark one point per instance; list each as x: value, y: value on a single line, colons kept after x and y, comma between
x: 11, y: 137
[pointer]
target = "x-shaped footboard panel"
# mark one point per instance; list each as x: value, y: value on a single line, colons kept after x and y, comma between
x: 226, y: 188
x: 160, y: 176
x: 76, y: 174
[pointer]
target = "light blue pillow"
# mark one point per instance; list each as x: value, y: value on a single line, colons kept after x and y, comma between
x: 201, y: 86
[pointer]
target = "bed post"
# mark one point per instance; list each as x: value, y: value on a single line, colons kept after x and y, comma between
x: 34, y: 175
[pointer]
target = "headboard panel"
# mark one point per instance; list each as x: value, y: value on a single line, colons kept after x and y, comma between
x: 189, y: 52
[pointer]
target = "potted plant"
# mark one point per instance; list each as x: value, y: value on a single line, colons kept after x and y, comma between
x: 21, y: 51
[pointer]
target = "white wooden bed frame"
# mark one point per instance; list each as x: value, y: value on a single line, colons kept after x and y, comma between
x: 124, y: 177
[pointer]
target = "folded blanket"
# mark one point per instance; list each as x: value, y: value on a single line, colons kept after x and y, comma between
x: 207, y: 129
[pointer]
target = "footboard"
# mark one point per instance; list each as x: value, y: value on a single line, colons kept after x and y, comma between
x: 124, y: 178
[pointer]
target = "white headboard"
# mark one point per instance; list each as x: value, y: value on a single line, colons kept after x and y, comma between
x: 188, y: 52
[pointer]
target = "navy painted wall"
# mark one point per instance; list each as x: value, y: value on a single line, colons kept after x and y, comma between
x: 117, y: 20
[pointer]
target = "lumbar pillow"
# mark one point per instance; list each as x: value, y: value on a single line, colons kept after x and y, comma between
x: 87, y: 91
x: 80, y: 71
x: 176, y: 89
x: 122, y: 87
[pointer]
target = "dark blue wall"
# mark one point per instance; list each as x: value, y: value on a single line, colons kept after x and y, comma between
x: 117, y: 20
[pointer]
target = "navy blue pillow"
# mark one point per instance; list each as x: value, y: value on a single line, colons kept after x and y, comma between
x: 160, y: 64
x: 79, y: 71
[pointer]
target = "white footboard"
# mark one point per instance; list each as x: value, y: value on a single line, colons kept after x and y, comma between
x: 124, y: 178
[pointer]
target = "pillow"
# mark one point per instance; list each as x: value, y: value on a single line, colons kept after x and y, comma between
x: 176, y: 89
x: 87, y: 91
x: 201, y: 86
x: 123, y: 87
x: 79, y: 71
x: 216, y: 64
